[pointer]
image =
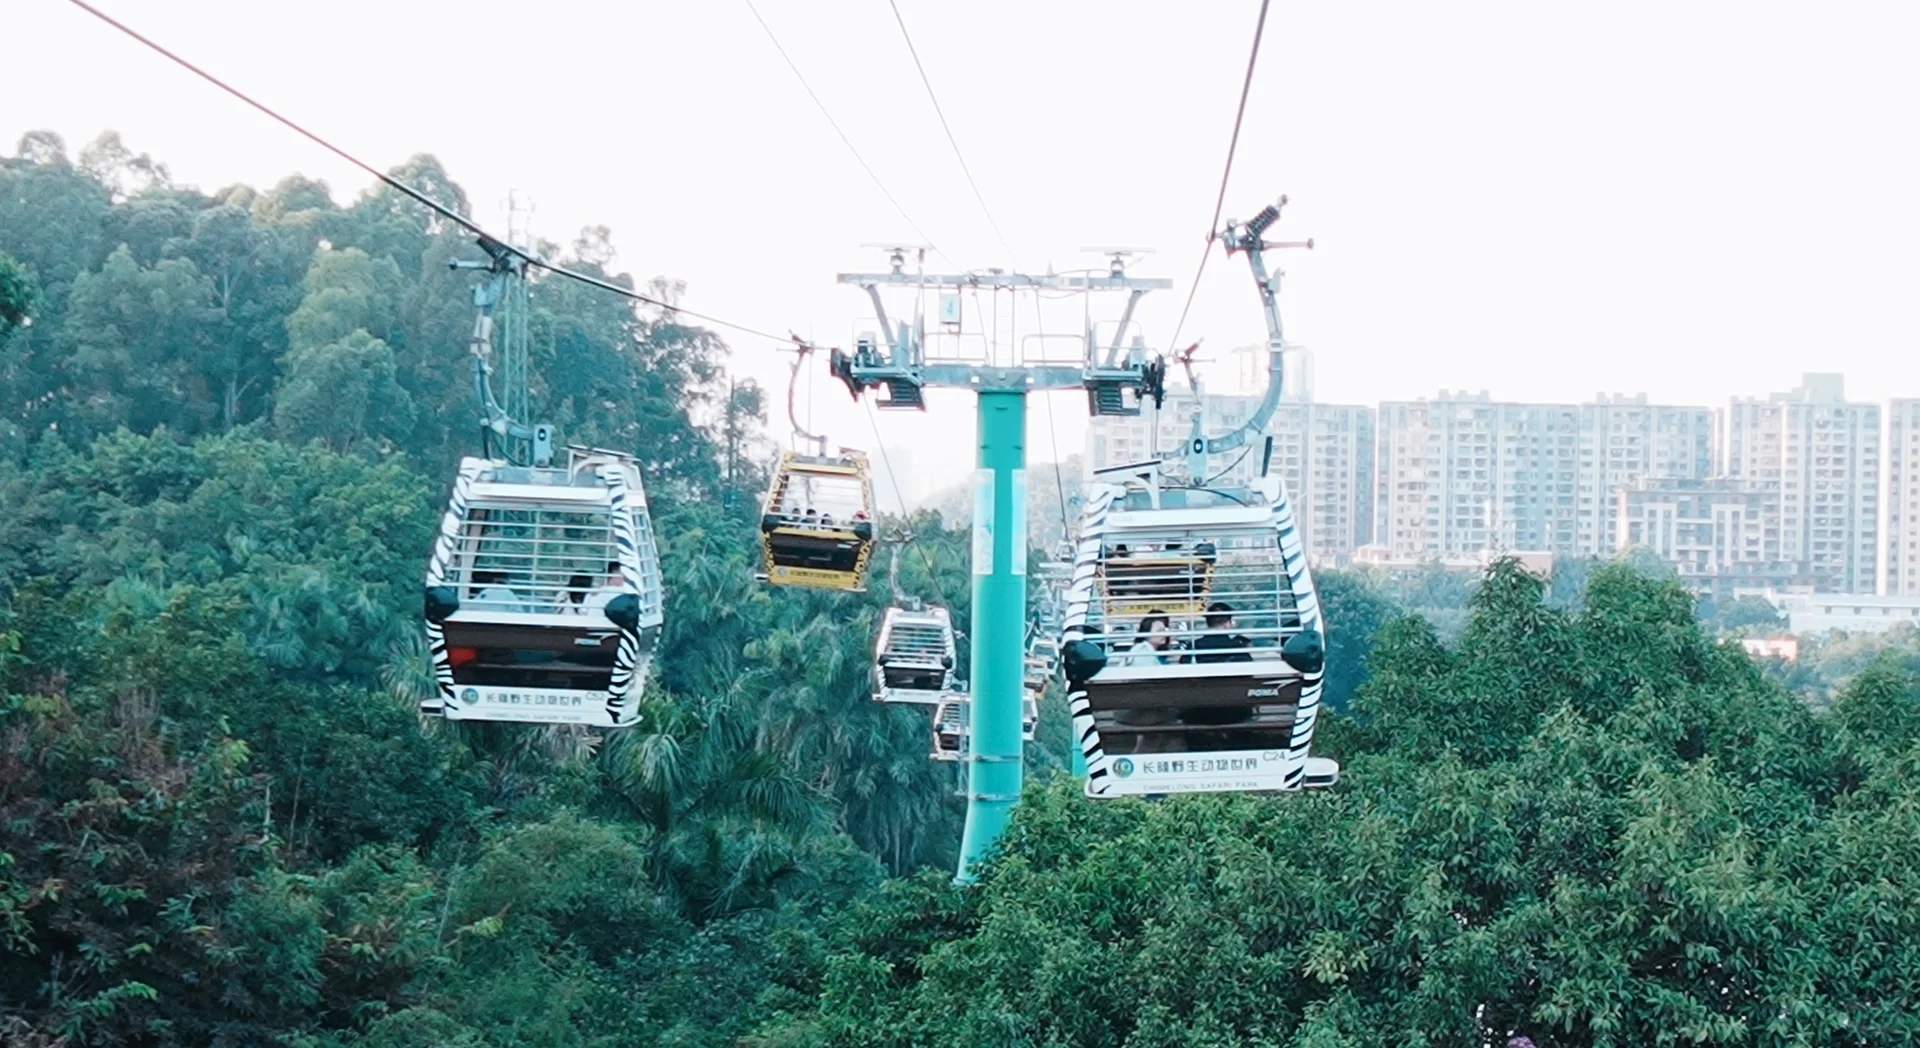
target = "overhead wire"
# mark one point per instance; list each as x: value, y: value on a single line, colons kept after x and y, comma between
x: 939, y: 111
x: 1231, y: 466
x: 1053, y: 438
x: 416, y: 195
x: 879, y: 184
x: 531, y: 259
x: 837, y: 129
x: 898, y: 493
x: 978, y: 197
x: 1233, y: 144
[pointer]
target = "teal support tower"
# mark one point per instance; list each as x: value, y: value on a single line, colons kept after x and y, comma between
x: 1115, y: 374
x: 999, y: 623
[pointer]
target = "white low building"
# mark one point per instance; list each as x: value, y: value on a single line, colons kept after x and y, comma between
x: 1785, y: 648
x: 1536, y: 562
x: 1853, y: 612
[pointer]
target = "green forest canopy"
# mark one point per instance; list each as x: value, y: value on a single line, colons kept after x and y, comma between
x: 230, y: 422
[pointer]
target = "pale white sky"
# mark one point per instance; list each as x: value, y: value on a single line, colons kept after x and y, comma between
x: 1541, y: 200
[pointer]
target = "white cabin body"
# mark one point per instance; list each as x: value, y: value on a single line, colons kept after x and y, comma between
x: 952, y: 726
x: 913, y: 660
x: 1197, y: 607
x: 543, y: 596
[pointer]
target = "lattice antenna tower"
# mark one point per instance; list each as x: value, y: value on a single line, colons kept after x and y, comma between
x: 501, y: 345
x: 515, y: 328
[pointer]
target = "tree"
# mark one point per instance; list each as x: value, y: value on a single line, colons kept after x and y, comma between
x: 386, y: 223
x: 343, y: 394
x: 17, y: 295
x: 1638, y: 848
x: 54, y: 214
x: 125, y: 174
x: 136, y: 340
x: 1744, y: 616
x: 1354, y: 612
x: 346, y: 291
x: 254, y: 272
x: 1569, y: 816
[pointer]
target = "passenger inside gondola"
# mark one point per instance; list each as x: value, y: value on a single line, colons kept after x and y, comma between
x: 1219, y: 643
x: 1153, y: 646
x: 1153, y: 642
x: 573, y: 594
x: 491, y: 589
x: 611, y: 586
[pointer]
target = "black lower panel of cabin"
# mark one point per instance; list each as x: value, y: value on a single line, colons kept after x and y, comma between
x: 586, y: 671
x: 1209, y: 729
x: 914, y: 680
x: 819, y: 554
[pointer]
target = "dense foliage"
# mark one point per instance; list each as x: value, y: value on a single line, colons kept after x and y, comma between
x: 1589, y: 827
x: 229, y: 419
x: 229, y: 426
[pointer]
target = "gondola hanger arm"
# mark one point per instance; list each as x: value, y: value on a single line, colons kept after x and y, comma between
x: 1249, y: 238
x: 801, y: 349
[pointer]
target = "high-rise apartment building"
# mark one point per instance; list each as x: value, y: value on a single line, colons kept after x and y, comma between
x: 1822, y: 454
x: 1622, y: 441
x: 1903, y: 498
x: 1464, y: 473
x: 1720, y: 535
x: 1324, y: 452
x: 1782, y: 490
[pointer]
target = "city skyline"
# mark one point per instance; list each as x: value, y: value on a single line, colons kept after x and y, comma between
x: 1799, y: 488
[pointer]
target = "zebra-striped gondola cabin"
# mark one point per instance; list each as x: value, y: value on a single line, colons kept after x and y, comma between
x: 1193, y: 646
x: 543, y: 596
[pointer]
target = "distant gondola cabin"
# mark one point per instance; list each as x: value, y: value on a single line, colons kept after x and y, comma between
x: 816, y: 526
x: 951, y: 724
x: 913, y: 659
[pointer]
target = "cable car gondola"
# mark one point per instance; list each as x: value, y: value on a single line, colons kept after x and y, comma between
x: 1029, y: 713
x: 816, y: 528
x: 914, y: 658
x: 1043, y: 651
x: 543, y: 595
x: 1193, y: 647
x: 950, y: 728
x: 1038, y: 670
x: 1193, y: 650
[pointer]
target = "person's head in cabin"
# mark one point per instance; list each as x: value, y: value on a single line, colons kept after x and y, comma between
x: 1155, y: 631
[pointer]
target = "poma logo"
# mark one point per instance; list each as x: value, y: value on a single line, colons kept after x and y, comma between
x: 1263, y: 693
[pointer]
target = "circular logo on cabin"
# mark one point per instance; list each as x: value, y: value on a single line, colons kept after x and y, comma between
x: 1123, y: 767
x: 470, y: 695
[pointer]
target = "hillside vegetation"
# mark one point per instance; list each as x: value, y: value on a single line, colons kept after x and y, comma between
x: 230, y: 422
